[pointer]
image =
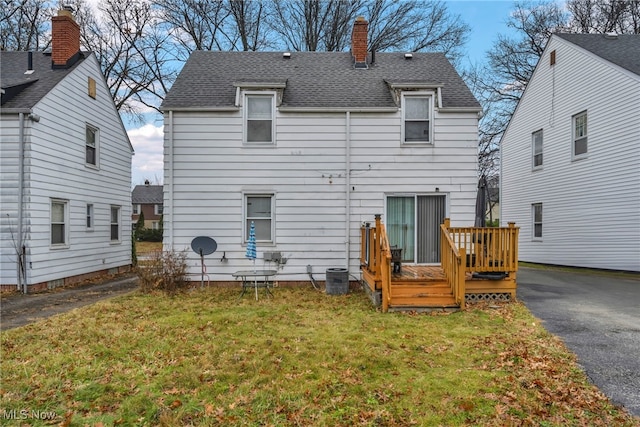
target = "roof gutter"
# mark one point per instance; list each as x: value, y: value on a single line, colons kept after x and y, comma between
x: 229, y: 108
x: 337, y: 109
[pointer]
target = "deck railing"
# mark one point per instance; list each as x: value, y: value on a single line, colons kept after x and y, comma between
x: 462, y: 250
x: 375, y: 258
x: 488, y: 249
x: 453, y: 260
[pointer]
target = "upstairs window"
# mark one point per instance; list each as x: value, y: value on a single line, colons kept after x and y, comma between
x: 536, y: 142
x: 136, y: 209
x: 579, y: 146
x: 417, y: 113
x: 259, y: 119
x: 157, y: 209
x: 91, y: 146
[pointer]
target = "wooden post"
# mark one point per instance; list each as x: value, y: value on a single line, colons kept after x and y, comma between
x: 376, y: 245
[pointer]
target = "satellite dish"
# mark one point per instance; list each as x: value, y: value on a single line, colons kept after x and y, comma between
x: 203, y: 245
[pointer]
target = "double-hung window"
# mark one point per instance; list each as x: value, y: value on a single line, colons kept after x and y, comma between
x: 579, y: 145
x: 536, y: 216
x: 417, y: 119
x: 115, y: 223
x: 59, y: 222
x: 91, y: 146
x: 536, y: 142
x: 157, y: 209
x: 259, y: 118
x: 259, y: 210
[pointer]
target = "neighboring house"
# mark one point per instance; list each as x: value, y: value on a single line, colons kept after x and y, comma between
x: 311, y: 145
x: 65, y: 174
x: 571, y: 155
x: 147, y: 199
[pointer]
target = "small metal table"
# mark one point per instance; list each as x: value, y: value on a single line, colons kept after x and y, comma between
x: 255, y: 279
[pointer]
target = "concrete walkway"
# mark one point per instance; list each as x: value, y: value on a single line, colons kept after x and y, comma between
x: 597, y: 315
x: 19, y: 310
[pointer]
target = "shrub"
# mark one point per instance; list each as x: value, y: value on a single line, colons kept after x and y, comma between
x: 163, y: 271
x: 149, y: 235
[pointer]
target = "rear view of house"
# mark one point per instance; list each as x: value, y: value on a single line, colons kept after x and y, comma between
x: 571, y: 155
x: 147, y: 201
x: 309, y: 146
x: 65, y: 170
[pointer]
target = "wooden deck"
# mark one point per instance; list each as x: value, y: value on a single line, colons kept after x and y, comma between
x: 450, y: 284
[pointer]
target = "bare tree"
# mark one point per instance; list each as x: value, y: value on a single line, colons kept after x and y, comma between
x: 24, y: 25
x: 406, y: 25
x: 602, y: 16
x: 415, y: 26
x: 132, y: 51
x: 249, y: 17
x: 510, y: 63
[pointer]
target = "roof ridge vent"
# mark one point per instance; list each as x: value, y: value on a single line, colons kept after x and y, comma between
x: 611, y: 35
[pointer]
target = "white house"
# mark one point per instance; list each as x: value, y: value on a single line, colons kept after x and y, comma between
x: 65, y: 171
x: 311, y: 145
x: 571, y: 155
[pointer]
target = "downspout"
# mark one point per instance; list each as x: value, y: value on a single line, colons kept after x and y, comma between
x: 22, y: 285
x: 171, y: 174
x: 347, y: 181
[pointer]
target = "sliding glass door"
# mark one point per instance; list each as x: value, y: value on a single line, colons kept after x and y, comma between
x: 413, y: 224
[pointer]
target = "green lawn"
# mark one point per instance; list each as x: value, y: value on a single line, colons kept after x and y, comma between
x: 301, y: 358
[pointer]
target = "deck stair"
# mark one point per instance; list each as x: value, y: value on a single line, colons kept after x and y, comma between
x: 446, y: 286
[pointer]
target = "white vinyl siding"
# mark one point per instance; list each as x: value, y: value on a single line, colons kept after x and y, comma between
x: 591, y: 208
x: 55, y: 167
x: 306, y: 174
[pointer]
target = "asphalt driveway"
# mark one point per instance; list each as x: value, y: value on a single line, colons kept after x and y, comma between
x: 597, y: 315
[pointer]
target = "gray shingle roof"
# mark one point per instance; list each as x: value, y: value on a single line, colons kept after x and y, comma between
x: 147, y: 194
x: 23, y: 91
x: 623, y: 50
x: 313, y: 79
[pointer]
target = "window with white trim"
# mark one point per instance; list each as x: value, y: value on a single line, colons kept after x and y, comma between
x: 259, y: 209
x: 136, y: 209
x: 157, y: 209
x: 115, y: 223
x: 536, y: 143
x: 89, y: 216
x: 259, y: 118
x: 579, y: 145
x: 91, y: 146
x: 536, y: 217
x: 417, y: 113
x: 59, y: 222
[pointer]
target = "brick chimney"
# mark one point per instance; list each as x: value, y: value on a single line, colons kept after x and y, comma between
x: 359, y: 45
x: 65, y: 39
